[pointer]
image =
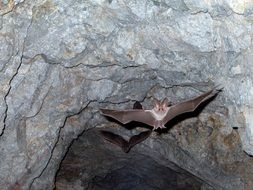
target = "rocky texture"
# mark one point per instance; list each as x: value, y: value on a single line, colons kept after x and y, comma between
x: 200, y: 145
x: 62, y: 60
x: 117, y: 170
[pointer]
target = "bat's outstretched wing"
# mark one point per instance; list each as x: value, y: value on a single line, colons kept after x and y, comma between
x: 189, y: 105
x: 115, y: 139
x: 126, y: 116
x: 138, y: 138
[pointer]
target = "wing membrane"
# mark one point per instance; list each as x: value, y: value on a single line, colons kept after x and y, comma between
x: 114, y: 138
x: 126, y: 116
x: 189, y: 105
x: 139, y: 138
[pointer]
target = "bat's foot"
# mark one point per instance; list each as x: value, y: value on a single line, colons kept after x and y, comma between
x: 159, y: 127
x: 163, y: 127
x: 155, y: 127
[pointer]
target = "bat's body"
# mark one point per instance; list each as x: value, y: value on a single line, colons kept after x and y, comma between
x: 161, y: 113
x: 121, y: 142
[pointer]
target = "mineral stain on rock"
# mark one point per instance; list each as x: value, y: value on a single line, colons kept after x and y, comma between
x: 6, y: 6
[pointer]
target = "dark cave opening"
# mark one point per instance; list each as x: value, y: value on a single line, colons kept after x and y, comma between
x: 93, y: 164
x: 154, y: 177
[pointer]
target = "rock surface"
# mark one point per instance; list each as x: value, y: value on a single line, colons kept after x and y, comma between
x: 62, y: 60
x: 117, y: 170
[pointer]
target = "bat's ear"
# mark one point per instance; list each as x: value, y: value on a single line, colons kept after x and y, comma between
x: 165, y: 103
x: 156, y: 103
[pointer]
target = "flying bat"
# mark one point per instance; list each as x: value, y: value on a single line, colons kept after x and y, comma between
x: 121, y: 142
x: 162, y: 112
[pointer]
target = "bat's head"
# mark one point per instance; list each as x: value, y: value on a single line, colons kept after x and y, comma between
x: 161, y: 106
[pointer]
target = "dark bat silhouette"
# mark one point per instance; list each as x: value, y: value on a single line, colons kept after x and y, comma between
x: 137, y: 105
x: 121, y: 142
x: 161, y: 113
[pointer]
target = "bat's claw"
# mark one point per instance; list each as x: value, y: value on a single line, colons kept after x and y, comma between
x: 157, y: 127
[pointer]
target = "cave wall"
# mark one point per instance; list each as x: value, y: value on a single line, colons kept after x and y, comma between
x: 62, y: 60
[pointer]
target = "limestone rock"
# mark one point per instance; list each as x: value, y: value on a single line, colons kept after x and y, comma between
x: 60, y: 61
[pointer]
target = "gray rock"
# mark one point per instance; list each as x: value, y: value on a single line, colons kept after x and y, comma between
x: 60, y: 61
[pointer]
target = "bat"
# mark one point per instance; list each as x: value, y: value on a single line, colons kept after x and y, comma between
x: 162, y: 111
x: 121, y: 142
